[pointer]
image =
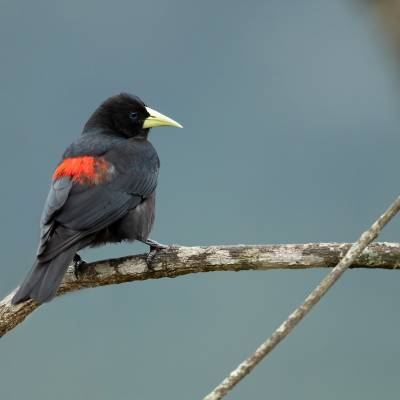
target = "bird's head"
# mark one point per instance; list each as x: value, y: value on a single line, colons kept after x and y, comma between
x: 127, y: 115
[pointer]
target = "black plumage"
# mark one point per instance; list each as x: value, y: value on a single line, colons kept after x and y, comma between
x: 103, y: 191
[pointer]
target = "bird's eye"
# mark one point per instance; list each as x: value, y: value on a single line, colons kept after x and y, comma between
x: 133, y: 115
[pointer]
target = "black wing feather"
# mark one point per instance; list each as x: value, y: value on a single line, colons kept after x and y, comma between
x: 56, y: 198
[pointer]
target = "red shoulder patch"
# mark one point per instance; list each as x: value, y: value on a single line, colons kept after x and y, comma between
x: 84, y: 170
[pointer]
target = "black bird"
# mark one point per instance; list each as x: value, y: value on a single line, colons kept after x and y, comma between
x: 102, y: 191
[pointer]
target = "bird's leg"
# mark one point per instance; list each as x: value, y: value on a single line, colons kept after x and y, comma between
x: 155, y: 247
x: 79, y: 265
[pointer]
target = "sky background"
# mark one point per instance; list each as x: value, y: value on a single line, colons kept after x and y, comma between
x: 291, y: 116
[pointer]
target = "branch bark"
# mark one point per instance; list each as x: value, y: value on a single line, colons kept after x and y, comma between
x: 287, y: 326
x: 176, y: 261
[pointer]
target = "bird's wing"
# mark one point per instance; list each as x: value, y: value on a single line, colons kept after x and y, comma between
x: 88, y: 194
x: 58, y: 194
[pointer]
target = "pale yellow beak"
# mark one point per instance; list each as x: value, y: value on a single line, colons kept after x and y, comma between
x: 158, y: 119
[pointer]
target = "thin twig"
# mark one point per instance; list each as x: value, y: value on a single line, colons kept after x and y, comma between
x: 176, y: 261
x: 299, y: 313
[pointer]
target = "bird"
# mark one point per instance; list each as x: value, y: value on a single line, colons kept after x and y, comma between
x: 102, y: 191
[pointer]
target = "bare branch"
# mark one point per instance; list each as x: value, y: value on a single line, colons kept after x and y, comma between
x: 176, y: 261
x: 300, y: 312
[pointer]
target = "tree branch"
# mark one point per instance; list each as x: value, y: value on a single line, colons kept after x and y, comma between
x: 176, y: 261
x: 388, y: 13
x: 287, y: 326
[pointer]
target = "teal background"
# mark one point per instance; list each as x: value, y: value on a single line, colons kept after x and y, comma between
x: 291, y: 115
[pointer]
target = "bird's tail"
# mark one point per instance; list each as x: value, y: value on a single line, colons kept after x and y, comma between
x: 44, y: 279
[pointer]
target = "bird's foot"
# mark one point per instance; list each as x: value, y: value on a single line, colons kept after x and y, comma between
x: 155, y: 247
x: 79, y: 265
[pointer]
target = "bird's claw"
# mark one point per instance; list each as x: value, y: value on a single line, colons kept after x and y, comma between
x: 155, y: 247
x: 79, y: 265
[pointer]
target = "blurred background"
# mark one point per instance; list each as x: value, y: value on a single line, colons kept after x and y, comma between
x: 291, y: 116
